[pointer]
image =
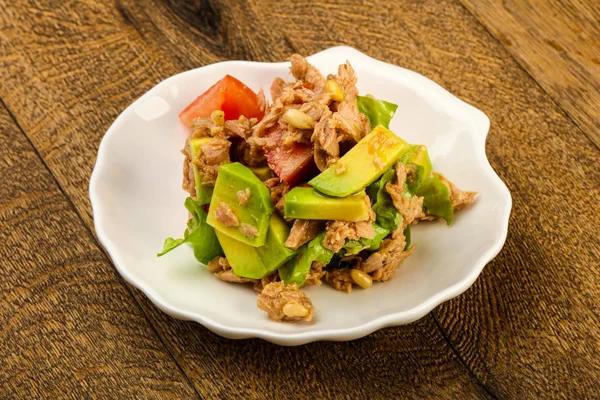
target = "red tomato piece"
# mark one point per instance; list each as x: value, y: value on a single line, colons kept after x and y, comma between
x: 229, y: 95
x: 290, y: 164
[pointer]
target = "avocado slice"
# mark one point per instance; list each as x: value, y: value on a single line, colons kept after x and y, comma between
x: 203, y: 192
x: 296, y: 270
x: 257, y: 262
x: 249, y: 219
x: 263, y: 173
x: 418, y: 156
x: 244, y: 259
x: 362, y: 165
x: 274, y: 253
x: 307, y: 203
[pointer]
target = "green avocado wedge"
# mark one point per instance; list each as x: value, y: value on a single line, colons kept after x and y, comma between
x: 262, y: 173
x: 307, y: 203
x: 203, y: 192
x: 241, y: 195
x: 258, y: 262
x: 362, y: 165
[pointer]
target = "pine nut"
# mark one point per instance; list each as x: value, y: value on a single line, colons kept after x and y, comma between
x: 218, y: 117
x: 295, y: 310
x: 361, y: 278
x: 336, y: 92
x: 298, y: 119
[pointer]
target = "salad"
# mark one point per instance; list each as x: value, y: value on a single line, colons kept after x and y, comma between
x: 312, y: 187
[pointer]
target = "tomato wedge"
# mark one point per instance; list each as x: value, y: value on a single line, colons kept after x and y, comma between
x: 229, y: 95
x: 291, y: 164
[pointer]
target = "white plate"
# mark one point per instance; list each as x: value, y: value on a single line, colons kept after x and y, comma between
x: 137, y: 200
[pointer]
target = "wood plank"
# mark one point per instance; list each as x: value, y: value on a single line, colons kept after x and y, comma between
x: 439, y: 39
x: 558, y: 43
x: 68, y: 325
x: 470, y: 63
x: 130, y: 56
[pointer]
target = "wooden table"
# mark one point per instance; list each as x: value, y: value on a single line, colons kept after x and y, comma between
x: 528, y: 328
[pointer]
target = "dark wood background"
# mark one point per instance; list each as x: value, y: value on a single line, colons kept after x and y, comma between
x: 528, y: 328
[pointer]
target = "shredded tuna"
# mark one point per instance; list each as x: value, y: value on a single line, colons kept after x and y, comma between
x: 201, y: 128
x: 241, y: 127
x: 250, y: 231
x: 459, y: 198
x: 275, y: 296
x: 230, y: 276
x: 293, y: 135
x: 277, y: 87
x: 225, y: 215
x: 220, y: 267
x: 249, y: 152
x: 337, y: 232
x: 260, y: 284
x: 347, y: 109
x: 317, y: 270
x: 383, y: 263
x: 304, y: 71
x: 211, y: 155
x: 218, y: 264
x: 326, y: 148
x: 316, y: 105
x: 290, y: 96
x: 243, y: 196
x: 303, y: 231
x: 411, y: 209
x: 344, y: 125
x: 278, y: 190
x: 189, y: 182
x: 340, y: 279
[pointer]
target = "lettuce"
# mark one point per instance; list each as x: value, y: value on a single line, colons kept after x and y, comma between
x: 388, y: 216
x: 436, y: 198
x: 296, y: 270
x: 378, y: 112
x: 417, y: 156
x: 407, y: 235
x: 355, y: 246
x: 198, y: 234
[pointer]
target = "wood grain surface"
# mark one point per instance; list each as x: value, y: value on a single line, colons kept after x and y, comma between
x: 529, y: 326
x: 69, y: 325
x: 558, y: 43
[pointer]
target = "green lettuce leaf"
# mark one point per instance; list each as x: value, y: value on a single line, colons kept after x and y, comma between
x: 388, y: 216
x: 198, y: 234
x: 296, y: 270
x: 417, y: 156
x: 378, y: 112
x: 436, y: 198
x: 407, y: 237
x: 355, y: 246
